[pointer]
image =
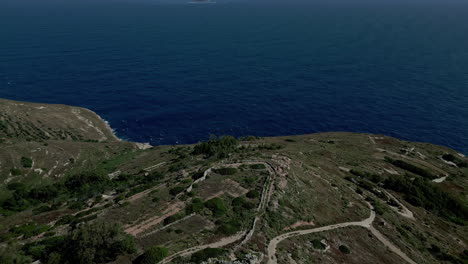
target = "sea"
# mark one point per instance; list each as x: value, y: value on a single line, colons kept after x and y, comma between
x: 176, y: 72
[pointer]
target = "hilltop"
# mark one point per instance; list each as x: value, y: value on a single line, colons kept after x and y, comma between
x: 71, y: 192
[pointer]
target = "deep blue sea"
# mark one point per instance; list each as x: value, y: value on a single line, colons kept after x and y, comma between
x: 171, y: 72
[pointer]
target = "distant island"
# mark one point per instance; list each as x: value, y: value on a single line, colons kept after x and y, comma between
x: 72, y: 192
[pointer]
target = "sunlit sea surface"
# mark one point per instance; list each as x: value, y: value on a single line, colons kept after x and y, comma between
x: 169, y: 72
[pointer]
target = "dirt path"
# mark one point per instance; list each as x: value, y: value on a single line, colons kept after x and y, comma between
x: 139, y: 228
x: 221, y: 243
x: 404, y: 210
x: 389, y: 245
x: 421, y: 162
x: 245, y: 235
x: 275, y: 241
x: 440, y: 180
x: 366, y: 223
x: 150, y: 168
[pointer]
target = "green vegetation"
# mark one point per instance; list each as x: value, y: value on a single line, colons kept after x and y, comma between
x: 411, y: 168
x: 12, y: 255
x: 421, y: 192
x: 253, y: 194
x: 176, y: 190
x: 226, y: 171
x: 459, y: 162
x: 29, y: 230
x: 367, y: 175
x: 26, y: 162
x: 216, y: 147
x: 15, y: 172
x: 229, y: 228
x: 206, y: 254
x: 239, y: 204
x: 378, y: 206
x: 153, y: 255
x: 172, y: 218
x: 97, y: 242
x: 78, y: 186
x: 217, y: 206
x: 344, y: 249
x: 257, y: 166
x: 317, y: 244
x: 196, y: 206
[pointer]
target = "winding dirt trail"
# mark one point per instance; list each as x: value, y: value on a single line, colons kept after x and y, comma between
x: 244, y: 235
x: 366, y: 223
x: 404, y: 210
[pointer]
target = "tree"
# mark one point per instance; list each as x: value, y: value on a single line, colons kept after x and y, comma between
x: 153, y: 255
x: 216, y: 205
x: 97, y: 242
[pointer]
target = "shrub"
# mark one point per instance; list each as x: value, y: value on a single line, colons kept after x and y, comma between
x: 88, y: 182
x: 258, y: 166
x: 459, y: 162
x: 206, y: 254
x: 228, y: 229
x: 253, y: 194
x: 411, y: 168
x: 29, y: 230
x: 176, y: 190
x: 97, y: 242
x: 196, y: 206
x: 317, y: 244
x: 172, y: 218
x: 367, y: 175
x: 226, y: 171
x: 216, y: 147
x: 15, y: 172
x: 344, y: 249
x: 153, y: 255
x: 26, y: 162
x: 421, y: 192
x: 216, y: 205
x: 154, y: 176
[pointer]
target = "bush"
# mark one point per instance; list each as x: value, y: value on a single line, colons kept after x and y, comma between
x: 153, y: 255
x: 367, y: 175
x: 253, y: 194
x: 206, y: 254
x: 411, y: 168
x: 29, y: 230
x: 240, y: 203
x: 172, y: 218
x: 216, y: 147
x: 258, y: 166
x: 344, y: 249
x: 226, y: 171
x: 15, y: 172
x: 176, y: 190
x: 26, y: 162
x: 89, y: 182
x: 154, y: 176
x: 421, y: 192
x: 459, y: 162
x: 97, y: 242
x: 228, y: 229
x: 317, y: 244
x: 196, y: 206
x: 216, y: 205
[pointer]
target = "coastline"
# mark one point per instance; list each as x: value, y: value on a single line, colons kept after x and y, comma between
x: 110, y: 133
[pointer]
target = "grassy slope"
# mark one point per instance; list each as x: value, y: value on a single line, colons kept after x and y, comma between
x: 312, y: 188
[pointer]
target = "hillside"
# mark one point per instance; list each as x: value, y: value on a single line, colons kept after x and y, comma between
x: 78, y: 195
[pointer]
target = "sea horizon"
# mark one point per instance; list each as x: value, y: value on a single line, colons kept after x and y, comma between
x: 174, y: 73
